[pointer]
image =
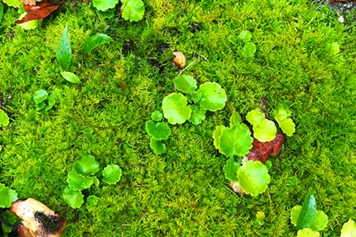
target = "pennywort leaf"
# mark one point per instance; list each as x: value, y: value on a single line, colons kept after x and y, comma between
x: 348, y: 229
x: 71, y: 77
x: 40, y: 96
x: 13, y: 3
x: 64, y: 50
x: 103, y: 5
x: 248, y: 51
x: 308, y: 211
x: 212, y: 96
x: 245, y: 35
x: 73, y: 198
x: 92, y: 200
x: 159, y: 131
x: 320, y: 221
x: 157, y: 146
x: 285, y: 123
x: 79, y: 182
x: 198, y: 115
x: 4, y: 119
x: 112, y: 174
x: 86, y: 165
x: 157, y: 116
x: 306, y: 232
x: 264, y: 130
x: 95, y: 41
x: 253, y: 177
x: 7, y: 196
x: 132, y: 10
x: 231, y: 168
x: 185, y: 83
x: 235, y: 119
x: 175, y: 108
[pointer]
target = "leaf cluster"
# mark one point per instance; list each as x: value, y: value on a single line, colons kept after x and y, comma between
x: 131, y: 10
x: 45, y: 100
x: 264, y: 129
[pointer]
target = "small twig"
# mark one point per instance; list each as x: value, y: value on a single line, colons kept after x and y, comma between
x: 190, y: 64
x: 206, y: 59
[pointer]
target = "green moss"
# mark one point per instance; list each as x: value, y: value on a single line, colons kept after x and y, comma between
x: 182, y: 192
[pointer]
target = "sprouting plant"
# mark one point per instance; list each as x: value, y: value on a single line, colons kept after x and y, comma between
x: 95, y: 41
x: 131, y: 10
x: 348, y: 229
x: 307, y: 219
x: 158, y: 131
x: 7, y: 196
x: 4, y: 119
x: 287, y: 125
x: 64, y: 50
x: 264, y: 130
x: 112, y: 174
x: 175, y: 108
x: 46, y: 101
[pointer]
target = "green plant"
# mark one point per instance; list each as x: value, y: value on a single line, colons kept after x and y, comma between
x: 264, y: 130
x: 348, y: 229
x: 131, y: 10
x: 112, y: 174
x: 175, y: 108
x: 64, y: 50
x: 95, y: 41
x: 46, y: 101
x: 71, y: 77
x: 287, y: 125
x: 7, y: 196
x: 306, y: 217
x: 4, y: 119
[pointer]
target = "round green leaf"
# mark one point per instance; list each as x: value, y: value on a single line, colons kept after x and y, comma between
x: 185, y: 83
x: 133, y: 10
x: 235, y: 119
x: 255, y: 117
x: 86, y: 165
x: 4, y: 119
x: 248, y: 51
x: 320, y: 221
x: 92, y: 200
x: 306, y: 232
x: 159, y: 131
x: 235, y: 141
x: 349, y: 229
x: 295, y: 214
x: 175, y: 108
x: 71, y: 77
x: 230, y: 169
x: 112, y: 174
x: 40, y: 96
x: 103, y: 5
x: 7, y: 196
x: 13, y: 3
x: 265, y: 131
x: 287, y: 126
x: 157, y: 116
x: 213, y: 97
x: 95, y: 41
x: 157, y: 146
x: 253, y: 177
x: 217, y: 134
x: 79, y: 182
x: 198, y: 115
x: 245, y: 35
x: 74, y: 199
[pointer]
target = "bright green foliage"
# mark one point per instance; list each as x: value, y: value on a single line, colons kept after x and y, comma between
x: 95, y: 41
x: 7, y: 196
x: 92, y: 200
x: 103, y: 5
x: 157, y: 116
x: 308, y: 211
x: 253, y: 177
x: 87, y: 165
x: 175, y: 108
x: 185, y: 83
x: 29, y: 25
x: 43, y: 101
x: 112, y: 174
x: 231, y: 168
x: 198, y: 115
x: 64, y: 50
x: 348, y: 229
x: 1, y: 11
x: 213, y: 97
x: 260, y: 217
x: 132, y: 10
x: 71, y: 77
x: 159, y: 131
x: 40, y: 96
x: 249, y: 50
x: 236, y: 140
x: 264, y: 130
x: 295, y: 212
x: 51, y: 100
x: 306, y: 232
x: 334, y: 48
x: 245, y: 35
x: 285, y: 123
x: 157, y: 146
x: 320, y: 221
x: 79, y: 182
x: 235, y: 119
x: 4, y: 119
x: 13, y: 3
x: 73, y: 198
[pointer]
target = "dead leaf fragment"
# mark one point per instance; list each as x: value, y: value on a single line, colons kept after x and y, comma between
x: 180, y: 60
x: 261, y: 150
x: 37, y: 12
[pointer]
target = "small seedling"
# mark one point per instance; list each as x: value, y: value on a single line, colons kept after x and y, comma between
x: 7, y: 196
x: 264, y: 130
x: 64, y: 50
x: 287, y: 125
x: 45, y: 101
x: 71, y: 77
x: 95, y: 41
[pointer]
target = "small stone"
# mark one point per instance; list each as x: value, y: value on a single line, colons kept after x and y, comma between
x: 341, y: 19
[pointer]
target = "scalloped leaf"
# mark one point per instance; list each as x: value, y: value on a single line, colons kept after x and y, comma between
x: 4, y: 119
x: 64, y: 50
x: 157, y: 116
x: 198, y: 115
x: 112, y: 174
x: 7, y: 196
x: 320, y: 221
x: 249, y: 50
x: 265, y: 131
x: 235, y: 141
x: 73, y: 198
x: 217, y: 134
x: 230, y: 169
x: 213, y: 97
x: 132, y: 10
x: 157, y: 146
x: 13, y: 3
x: 86, y: 165
x: 285, y: 123
x: 92, y: 200
x: 103, y: 5
x: 295, y: 214
x: 308, y: 212
x: 186, y: 84
x: 255, y: 117
x: 159, y: 131
x: 253, y: 177
x: 175, y: 108
x: 306, y: 232
x: 348, y: 229
x: 79, y: 182
x: 235, y: 119
x: 245, y: 35
x: 95, y: 41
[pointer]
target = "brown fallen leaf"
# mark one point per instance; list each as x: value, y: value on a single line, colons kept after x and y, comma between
x: 37, y: 12
x: 262, y: 150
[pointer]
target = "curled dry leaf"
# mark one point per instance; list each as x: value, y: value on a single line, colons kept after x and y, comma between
x: 37, y: 12
x: 37, y: 220
x: 261, y: 150
x: 236, y: 187
x: 180, y: 60
x: 30, y: 2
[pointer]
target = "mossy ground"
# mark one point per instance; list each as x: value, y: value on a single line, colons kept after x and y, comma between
x: 183, y: 192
